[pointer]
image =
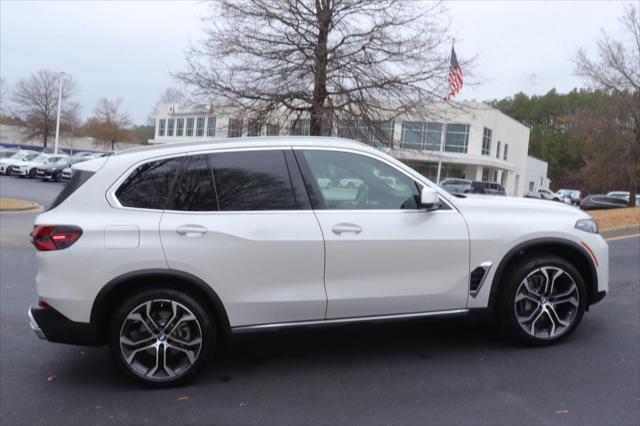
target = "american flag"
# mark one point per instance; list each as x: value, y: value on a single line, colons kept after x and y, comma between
x: 455, y: 75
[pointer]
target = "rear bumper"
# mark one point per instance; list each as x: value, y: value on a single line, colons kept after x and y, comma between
x: 51, y: 325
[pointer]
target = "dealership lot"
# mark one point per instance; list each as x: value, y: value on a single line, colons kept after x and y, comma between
x: 436, y: 372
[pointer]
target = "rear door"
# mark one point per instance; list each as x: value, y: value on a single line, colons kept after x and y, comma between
x: 242, y: 222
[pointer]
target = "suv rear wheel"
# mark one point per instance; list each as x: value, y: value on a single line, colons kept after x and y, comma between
x: 161, y: 337
x: 542, y: 300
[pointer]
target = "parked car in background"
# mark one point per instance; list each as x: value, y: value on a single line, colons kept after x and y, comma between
x: 456, y: 186
x: 487, y: 188
x: 7, y: 163
x: 7, y: 152
x: 54, y: 171
x: 30, y: 168
x: 350, y: 183
x: 619, y: 194
x: 570, y: 196
x: 624, y: 195
x: 601, y: 201
x: 549, y: 195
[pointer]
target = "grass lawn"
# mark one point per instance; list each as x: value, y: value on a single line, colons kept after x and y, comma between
x: 15, y: 204
x: 616, y: 217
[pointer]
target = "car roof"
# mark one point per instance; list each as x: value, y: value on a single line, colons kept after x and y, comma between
x: 248, y: 142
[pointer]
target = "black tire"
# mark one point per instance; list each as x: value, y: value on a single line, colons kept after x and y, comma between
x: 120, y: 324
x: 56, y: 177
x: 511, y: 312
x: 32, y: 173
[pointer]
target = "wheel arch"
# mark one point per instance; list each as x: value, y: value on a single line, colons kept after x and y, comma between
x: 134, y: 282
x: 566, y: 249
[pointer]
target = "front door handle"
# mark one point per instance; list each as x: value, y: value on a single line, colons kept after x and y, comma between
x: 342, y: 228
x: 191, y: 230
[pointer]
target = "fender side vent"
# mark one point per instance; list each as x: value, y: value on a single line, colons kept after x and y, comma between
x: 477, y: 278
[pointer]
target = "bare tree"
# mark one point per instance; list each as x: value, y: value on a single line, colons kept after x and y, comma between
x: 326, y: 60
x: 617, y: 71
x: 109, y: 122
x: 36, y: 103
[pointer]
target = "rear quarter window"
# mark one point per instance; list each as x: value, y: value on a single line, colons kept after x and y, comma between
x: 149, y: 185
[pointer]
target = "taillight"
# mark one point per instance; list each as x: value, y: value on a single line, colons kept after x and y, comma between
x: 47, y: 238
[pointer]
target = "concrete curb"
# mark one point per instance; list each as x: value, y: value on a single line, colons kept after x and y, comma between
x: 620, y: 231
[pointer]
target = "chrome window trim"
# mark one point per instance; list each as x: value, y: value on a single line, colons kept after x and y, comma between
x: 115, y: 203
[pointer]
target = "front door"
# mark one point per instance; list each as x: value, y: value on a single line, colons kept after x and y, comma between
x: 384, y: 254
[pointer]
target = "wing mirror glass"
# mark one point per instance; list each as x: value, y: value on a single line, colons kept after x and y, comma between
x: 429, y: 198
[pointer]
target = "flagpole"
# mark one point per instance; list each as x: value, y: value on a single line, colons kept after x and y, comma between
x: 444, y: 127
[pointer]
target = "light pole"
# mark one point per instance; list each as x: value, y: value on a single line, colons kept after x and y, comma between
x: 55, y: 144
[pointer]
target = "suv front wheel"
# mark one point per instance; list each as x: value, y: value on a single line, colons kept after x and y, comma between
x: 542, y: 300
x: 161, y: 337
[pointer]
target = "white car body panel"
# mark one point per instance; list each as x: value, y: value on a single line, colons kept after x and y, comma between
x: 269, y: 267
x: 402, y: 261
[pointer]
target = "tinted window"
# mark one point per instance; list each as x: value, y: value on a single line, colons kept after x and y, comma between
x: 195, y: 190
x: 148, y: 186
x: 253, y: 180
x: 352, y: 181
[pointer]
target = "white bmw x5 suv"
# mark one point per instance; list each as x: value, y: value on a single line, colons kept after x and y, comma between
x: 160, y: 252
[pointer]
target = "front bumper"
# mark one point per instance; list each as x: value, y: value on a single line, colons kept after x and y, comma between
x: 51, y: 325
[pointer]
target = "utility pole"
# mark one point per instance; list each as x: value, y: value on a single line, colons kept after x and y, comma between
x: 55, y: 145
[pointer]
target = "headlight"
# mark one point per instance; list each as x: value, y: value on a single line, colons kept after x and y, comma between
x: 587, y: 225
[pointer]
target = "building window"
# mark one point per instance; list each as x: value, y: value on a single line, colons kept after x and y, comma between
x: 189, y: 129
x: 506, y: 151
x: 498, y: 150
x: 179, y: 126
x: 381, y: 134
x: 211, y: 126
x: 486, y: 141
x: 161, y: 124
x: 300, y: 127
x: 421, y: 135
x: 235, y: 128
x: 457, y: 138
x: 495, y: 175
x: 254, y: 128
x: 485, y: 175
x: 273, y: 130
x: 200, y: 126
x: 170, y: 124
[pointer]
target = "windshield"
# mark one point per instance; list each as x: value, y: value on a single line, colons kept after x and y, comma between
x: 62, y: 161
x: 19, y: 155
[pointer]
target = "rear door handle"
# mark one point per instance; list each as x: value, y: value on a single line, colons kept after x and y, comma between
x: 191, y: 230
x: 342, y: 228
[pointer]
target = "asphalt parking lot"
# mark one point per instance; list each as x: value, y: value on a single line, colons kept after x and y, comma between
x: 420, y: 372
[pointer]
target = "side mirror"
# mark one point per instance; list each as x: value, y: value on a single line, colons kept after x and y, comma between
x: 429, y: 198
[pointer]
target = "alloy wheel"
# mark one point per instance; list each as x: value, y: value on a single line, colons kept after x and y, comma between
x: 547, y: 302
x: 160, y: 340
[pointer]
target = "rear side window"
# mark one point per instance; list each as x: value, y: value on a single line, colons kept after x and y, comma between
x: 195, y: 190
x: 149, y: 185
x: 253, y: 180
x: 78, y: 177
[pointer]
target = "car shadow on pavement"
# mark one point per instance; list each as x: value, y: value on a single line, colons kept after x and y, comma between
x: 298, y: 350
x: 345, y: 344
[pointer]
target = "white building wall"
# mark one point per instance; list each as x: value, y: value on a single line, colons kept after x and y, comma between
x: 537, y: 174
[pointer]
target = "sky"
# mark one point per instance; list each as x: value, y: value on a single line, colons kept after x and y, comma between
x: 128, y: 49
